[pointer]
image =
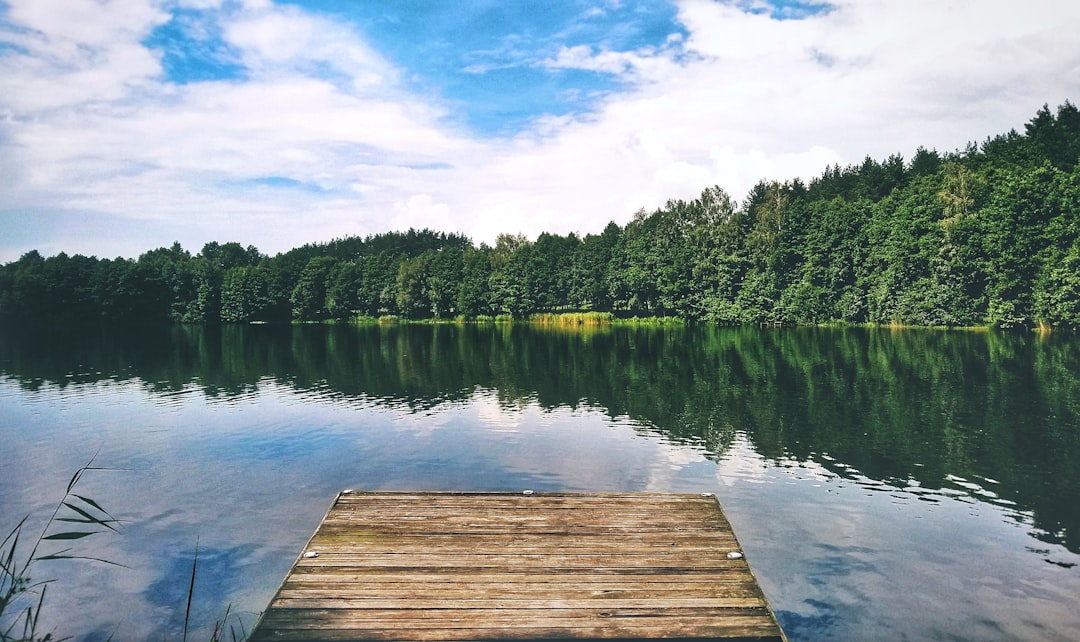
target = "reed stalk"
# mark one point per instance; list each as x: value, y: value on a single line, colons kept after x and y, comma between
x: 22, y: 597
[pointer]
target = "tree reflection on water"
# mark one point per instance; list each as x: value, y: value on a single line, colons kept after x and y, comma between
x: 991, y: 415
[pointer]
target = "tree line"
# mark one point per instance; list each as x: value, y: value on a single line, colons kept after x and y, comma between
x: 987, y: 235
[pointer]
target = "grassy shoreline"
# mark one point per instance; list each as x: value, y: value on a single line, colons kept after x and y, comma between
x: 583, y: 320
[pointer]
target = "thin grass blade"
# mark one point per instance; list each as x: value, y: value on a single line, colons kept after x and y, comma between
x: 75, y: 478
x: 92, y: 503
x: 76, y: 520
x: 70, y: 535
x: 191, y: 589
x: 79, y: 473
x: 15, y: 531
x: 41, y: 602
x: 9, y: 559
x: 62, y: 556
x: 92, y: 519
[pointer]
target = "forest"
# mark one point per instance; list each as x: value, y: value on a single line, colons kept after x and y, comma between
x: 984, y: 236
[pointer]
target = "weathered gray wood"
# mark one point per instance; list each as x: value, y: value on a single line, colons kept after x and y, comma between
x: 470, y: 566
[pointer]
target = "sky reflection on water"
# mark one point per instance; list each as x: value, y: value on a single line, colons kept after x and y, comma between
x: 248, y: 472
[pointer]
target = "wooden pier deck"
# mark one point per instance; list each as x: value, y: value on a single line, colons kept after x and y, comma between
x: 526, y: 566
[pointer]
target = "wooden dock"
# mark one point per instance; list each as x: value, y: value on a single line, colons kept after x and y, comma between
x: 526, y: 566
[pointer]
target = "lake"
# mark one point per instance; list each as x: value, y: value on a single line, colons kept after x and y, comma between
x: 885, y: 484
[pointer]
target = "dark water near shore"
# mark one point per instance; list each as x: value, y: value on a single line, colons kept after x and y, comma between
x: 885, y: 485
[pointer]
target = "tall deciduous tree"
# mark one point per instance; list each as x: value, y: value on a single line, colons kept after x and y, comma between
x: 309, y: 296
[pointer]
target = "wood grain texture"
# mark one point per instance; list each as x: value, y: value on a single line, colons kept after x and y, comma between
x: 483, y: 566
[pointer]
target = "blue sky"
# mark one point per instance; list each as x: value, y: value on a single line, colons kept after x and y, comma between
x: 126, y: 125
x: 482, y: 60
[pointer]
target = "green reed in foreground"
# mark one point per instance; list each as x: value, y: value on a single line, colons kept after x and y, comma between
x: 22, y: 597
x: 75, y: 518
x: 219, y: 632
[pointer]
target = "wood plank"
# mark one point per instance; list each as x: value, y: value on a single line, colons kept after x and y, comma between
x: 468, y: 566
x: 510, y: 585
x: 510, y: 576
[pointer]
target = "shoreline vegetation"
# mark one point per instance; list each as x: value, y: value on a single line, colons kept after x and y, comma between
x: 568, y: 320
x: 598, y: 320
x: 987, y: 236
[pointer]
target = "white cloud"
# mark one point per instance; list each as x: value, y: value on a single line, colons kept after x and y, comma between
x: 618, y: 63
x: 898, y: 75
x: 68, y: 53
x: 86, y: 22
x: 421, y: 211
x: 171, y: 153
x: 88, y: 123
x: 277, y: 40
x: 751, y: 99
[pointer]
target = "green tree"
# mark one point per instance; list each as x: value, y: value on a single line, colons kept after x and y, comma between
x: 412, y: 275
x: 509, y: 281
x: 589, y: 270
x: 1055, y: 138
x: 473, y: 293
x: 343, y: 290
x: 632, y: 279
x: 309, y: 296
x: 24, y: 287
x: 206, y: 278
x: 129, y: 291
x: 68, y: 283
x: 716, y: 269
x: 173, y: 265
x: 549, y: 270
x: 244, y: 294
x: 1021, y: 207
x: 376, y: 290
x: 1057, y: 299
x: 440, y: 287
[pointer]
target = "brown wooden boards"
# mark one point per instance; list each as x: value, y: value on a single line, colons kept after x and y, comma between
x: 476, y: 566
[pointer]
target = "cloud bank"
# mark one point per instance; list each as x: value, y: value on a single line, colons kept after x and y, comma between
x: 277, y: 125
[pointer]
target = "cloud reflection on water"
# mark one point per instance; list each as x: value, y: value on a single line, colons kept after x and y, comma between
x: 850, y: 526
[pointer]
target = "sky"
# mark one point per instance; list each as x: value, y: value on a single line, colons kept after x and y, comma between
x: 126, y: 125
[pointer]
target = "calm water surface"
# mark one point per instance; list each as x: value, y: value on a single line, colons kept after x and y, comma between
x: 885, y: 485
